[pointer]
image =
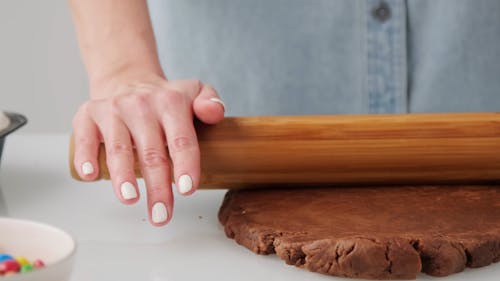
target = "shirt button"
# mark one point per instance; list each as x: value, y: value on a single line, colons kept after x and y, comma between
x: 382, y: 12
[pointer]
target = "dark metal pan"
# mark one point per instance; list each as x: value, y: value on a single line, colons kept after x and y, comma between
x: 16, y: 122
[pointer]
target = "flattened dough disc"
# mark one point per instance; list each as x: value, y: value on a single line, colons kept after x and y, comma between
x: 369, y: 232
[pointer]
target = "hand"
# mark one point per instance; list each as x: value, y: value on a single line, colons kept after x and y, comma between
x: 148, y: 115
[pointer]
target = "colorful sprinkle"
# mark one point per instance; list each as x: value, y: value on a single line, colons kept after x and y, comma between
x: 4, y: 257
x: 38, y: 263
x: 10, y: 265
x: 22, y: 260
x: 26, y: 268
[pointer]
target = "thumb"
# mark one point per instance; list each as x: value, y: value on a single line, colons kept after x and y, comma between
x: 208, y: 107
x: 190, y: 88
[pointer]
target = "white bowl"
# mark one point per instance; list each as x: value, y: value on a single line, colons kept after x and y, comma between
x: 34, y: 240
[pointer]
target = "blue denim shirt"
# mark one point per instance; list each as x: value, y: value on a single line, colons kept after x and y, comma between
x: 269, y: 57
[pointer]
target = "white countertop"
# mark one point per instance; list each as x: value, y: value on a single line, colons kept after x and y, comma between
x: 116, y: 242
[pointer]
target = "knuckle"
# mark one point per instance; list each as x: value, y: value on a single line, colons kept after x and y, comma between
x: 156, y: 190
x: 121, y: 171
x: 212, y: 90
x: 118, y: 148
x: 197, y: 83
x: 152, y: 157
x: 81, y: 113
x: 136, y: 102
x: 139, y: 99
x: 83, y: 109
x: 93, y: 107
x: 115, y: 103
x: 89, y: 105
x: 182, y: 143
x: 85, y: 141
x: 172, y: 98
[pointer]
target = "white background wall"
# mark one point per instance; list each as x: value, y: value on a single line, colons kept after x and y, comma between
x: 41, y: 75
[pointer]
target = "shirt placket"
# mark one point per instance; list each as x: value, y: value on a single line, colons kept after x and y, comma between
x: 386, y: 47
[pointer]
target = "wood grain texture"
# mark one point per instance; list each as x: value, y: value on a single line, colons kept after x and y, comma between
x: 346, y: 150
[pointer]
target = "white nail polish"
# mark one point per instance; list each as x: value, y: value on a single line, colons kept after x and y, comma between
x: 159, y: 212
x: 128, y: 191
x: 219, y: 101
x: 185, y: 184
x: 87, y: 168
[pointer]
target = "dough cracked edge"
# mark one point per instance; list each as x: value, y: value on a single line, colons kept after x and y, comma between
x: 362, y: 257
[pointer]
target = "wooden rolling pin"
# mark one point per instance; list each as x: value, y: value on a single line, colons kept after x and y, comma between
x: 443, y: 148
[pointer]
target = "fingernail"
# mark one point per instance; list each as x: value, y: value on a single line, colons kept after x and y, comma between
x: 128, y: 191
x: 87, y: 168
x: 159, y: 212
x: 219, y: 101
x: 185, y: 184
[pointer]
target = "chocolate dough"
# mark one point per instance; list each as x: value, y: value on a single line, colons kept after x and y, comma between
x: 369, y: 232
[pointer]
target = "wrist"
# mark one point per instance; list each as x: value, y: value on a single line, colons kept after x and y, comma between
x: 122, y: 79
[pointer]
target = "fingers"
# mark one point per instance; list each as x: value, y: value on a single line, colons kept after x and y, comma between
x: 177, y: 121
x: 151, y: 119
x: 152, y: 154
x: 181, y: 141
x: 119, y: 153
x: 86, y: 138
x: 208, y: 106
